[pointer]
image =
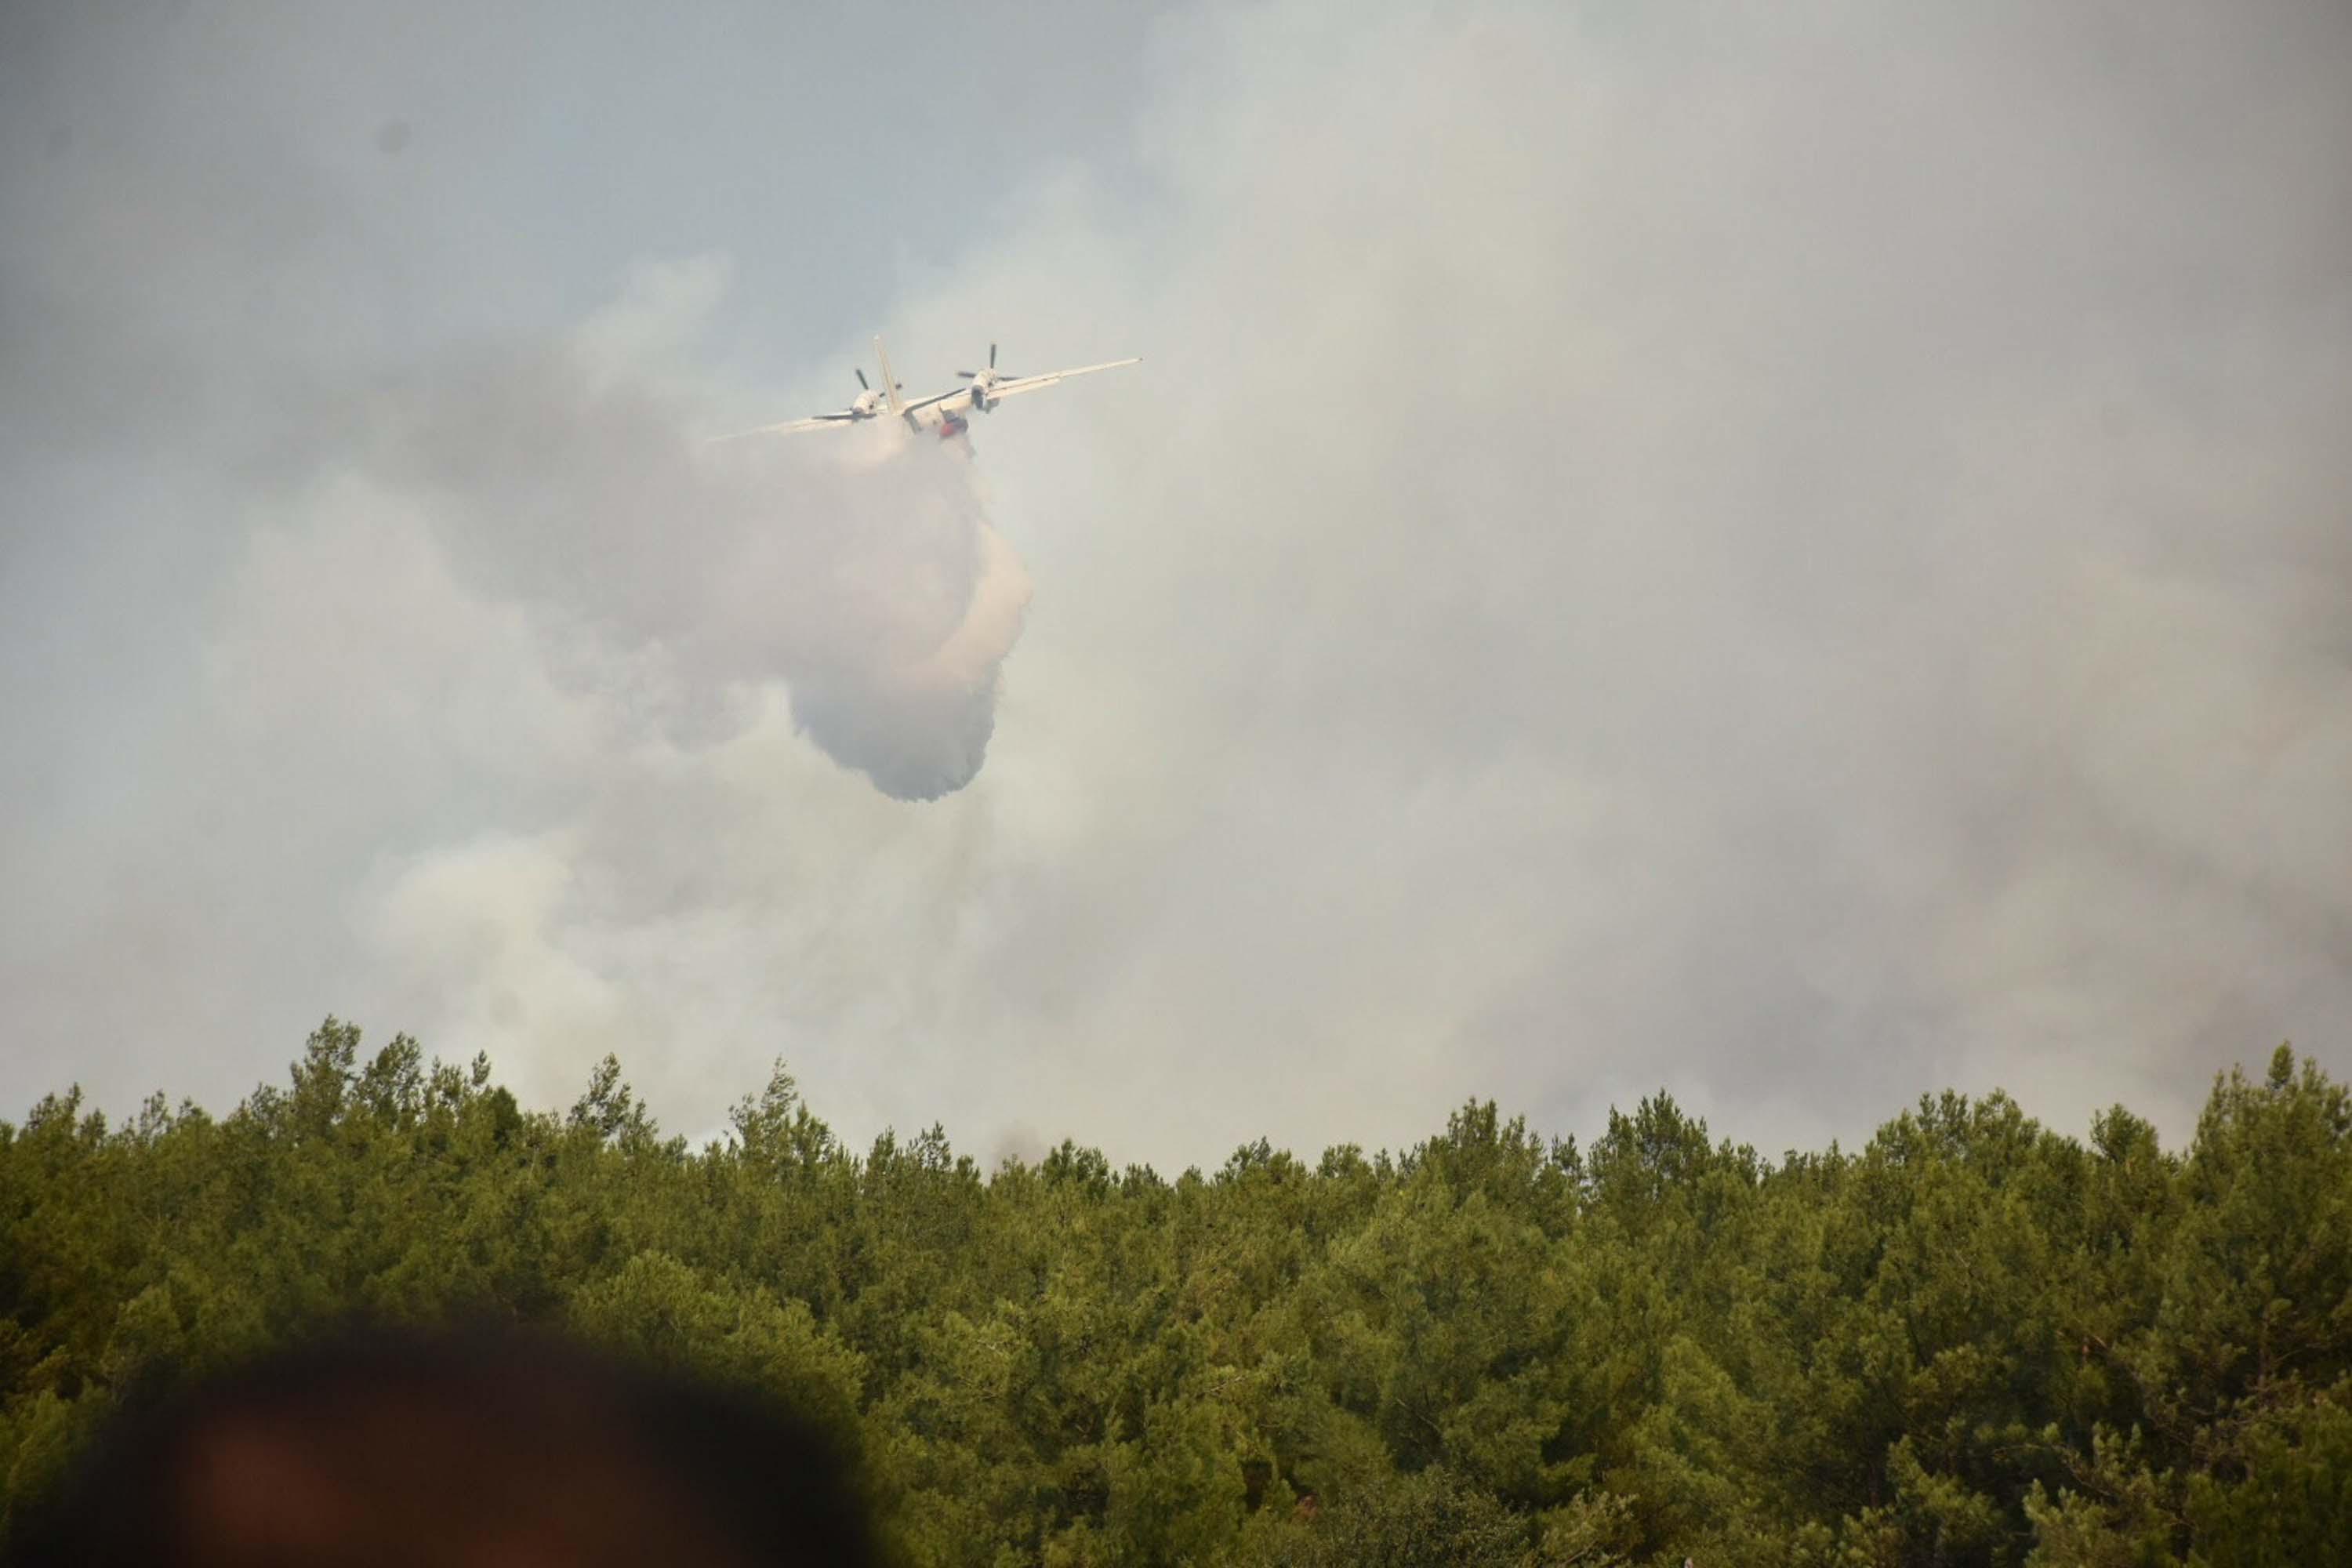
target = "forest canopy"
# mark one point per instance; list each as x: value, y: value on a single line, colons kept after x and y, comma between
x: 1972, y: 1340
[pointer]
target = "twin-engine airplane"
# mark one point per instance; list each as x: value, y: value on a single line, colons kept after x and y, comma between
x: 947, y: 412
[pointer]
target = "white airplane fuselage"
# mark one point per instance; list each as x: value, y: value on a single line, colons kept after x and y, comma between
x: 945, y: 421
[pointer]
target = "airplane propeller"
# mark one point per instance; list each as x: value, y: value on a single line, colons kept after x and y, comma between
x: 983, y: 382
x: 867, y: 403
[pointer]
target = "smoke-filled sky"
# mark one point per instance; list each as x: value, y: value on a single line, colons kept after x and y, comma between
x: 1798, y: 555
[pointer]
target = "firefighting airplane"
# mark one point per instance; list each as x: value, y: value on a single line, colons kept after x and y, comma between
x: 948, y: 413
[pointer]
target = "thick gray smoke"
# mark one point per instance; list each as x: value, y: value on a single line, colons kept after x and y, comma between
x: 1796, y: 555
x: 912, y: 708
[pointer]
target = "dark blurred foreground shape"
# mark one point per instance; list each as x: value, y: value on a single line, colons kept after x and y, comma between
x: 489, y: 1450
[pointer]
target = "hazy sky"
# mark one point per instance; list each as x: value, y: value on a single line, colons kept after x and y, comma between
x: 1799, y: 556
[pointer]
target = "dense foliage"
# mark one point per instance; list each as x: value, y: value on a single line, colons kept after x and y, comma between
x: 1973, y: 1341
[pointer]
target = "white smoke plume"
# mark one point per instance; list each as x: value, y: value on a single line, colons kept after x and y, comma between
x: 1797, y: 555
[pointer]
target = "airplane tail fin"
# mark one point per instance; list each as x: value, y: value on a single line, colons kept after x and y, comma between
x: 889, y: 379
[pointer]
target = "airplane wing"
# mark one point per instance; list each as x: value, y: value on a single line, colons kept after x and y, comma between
x: 1038, y: 383
x: 814, y: 421
x: 934, y: 399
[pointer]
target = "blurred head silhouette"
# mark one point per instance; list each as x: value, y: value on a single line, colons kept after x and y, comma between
x: 489, y: 1450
